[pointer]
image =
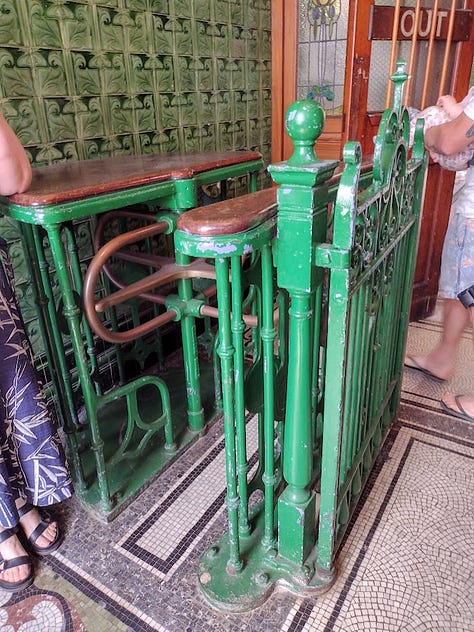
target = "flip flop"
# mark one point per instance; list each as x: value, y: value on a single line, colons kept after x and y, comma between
x: 460, y: 412
x: 417, y: 367
x: 21, y: 560
x: 42, y: 526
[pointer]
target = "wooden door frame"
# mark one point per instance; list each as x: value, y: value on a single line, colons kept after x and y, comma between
x: 284, y: 65
x: 357, y: 124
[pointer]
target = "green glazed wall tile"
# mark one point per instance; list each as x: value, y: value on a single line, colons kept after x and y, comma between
x: 82, y: 79
x: 145, y: 113
x: 186, y: 77
x: 222, y: 75
x: 221, y: 40
x: 112, y: 25
x: 183, y: 36
x: 223, y: 105
x: 237, y: 11
x: 169, y: 113
x: 202, y: 9
x: 162, y: 34
x: 44, y: 24
x: 10, y: 32
x: 165, y: 75
x: 86, y: 73
x: 136, y: 5
x: 17, y: 74
x: 140, y: 78
x: 160, y: 6
x: 204, y: 73
x: 189, y: 108
x: 207, y: 106
x: 221, y: 11
x: 61, y: 123
x: 205, y: 36
x: 89, y: 118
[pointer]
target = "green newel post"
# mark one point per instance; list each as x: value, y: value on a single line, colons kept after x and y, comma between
x: 302, y: 222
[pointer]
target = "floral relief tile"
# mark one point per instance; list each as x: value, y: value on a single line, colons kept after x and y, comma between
x: 82, y: 79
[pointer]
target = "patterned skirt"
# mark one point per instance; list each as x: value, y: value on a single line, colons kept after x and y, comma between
x: 32, y: 460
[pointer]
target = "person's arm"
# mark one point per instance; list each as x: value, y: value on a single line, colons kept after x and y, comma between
x: 15, y: 168
x: 450, y: 105
x: 452, y: 137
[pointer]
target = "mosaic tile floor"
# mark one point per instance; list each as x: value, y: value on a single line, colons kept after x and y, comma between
x: 406, y: 564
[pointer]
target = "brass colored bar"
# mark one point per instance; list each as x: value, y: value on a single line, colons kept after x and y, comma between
x: 429, y: 58
x: 444, y: 70
x: 414, y: 45
x: 393, y: 51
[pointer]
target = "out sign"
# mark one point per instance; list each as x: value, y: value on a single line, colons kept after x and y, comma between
x: 381, y: 23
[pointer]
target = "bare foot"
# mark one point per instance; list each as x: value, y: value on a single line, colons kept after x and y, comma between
x: 431, y: 366
x: 9, y: 550
x: 30, y: 520
x: 459, y: 405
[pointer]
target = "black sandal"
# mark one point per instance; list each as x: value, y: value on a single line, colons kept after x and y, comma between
x: 16, y: 561
x: 39, y: 530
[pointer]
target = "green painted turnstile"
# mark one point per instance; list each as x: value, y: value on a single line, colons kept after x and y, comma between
x: 341, y: 247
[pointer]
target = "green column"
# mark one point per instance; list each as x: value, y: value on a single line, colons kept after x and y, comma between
x: 302, y: 222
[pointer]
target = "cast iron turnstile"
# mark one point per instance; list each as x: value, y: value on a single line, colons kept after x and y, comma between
x: 344, y: 256
x: 128, y: 432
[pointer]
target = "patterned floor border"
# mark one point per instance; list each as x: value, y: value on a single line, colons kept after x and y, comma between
x: 81, y: 590
x: 330, y: 612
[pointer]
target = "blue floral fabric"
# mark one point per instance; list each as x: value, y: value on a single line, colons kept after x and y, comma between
x: 32, y: 460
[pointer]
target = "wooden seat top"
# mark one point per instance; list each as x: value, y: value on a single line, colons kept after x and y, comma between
x: 75, y: 180
x: 239, y: 214
x: 230, y: 216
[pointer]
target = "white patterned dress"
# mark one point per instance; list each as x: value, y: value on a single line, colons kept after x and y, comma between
x: 32, y: 461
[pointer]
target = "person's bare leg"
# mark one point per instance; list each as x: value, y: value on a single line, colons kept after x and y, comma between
x: 441, y: 360
x: 31, y: 520
x: 9, y: 550
x: 462, y: 403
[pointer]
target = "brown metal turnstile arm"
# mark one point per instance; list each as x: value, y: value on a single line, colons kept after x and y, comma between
x: 167, y: 272
x: 99, y: 241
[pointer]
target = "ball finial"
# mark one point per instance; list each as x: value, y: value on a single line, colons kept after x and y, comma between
x: 304, y: 123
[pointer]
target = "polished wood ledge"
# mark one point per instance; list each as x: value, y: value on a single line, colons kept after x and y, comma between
x: 230, y: 216
x: 75, y: 180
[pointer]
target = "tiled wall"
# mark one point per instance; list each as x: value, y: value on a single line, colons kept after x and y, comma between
x: 88, y: 78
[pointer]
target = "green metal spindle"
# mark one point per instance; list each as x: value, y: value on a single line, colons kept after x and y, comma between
x: 344, y: 221
x: 57, y: 346
x: 238, y: 328
x: 348, y: 427
x: 302, y: 222
x: 268, y: 335
x: 54, y: 350
x: 366, y: 329
x: 354, y: 395
x: 253, y: 184
x: 77, y: 280
x: 333, y: 404
x: 190, y: 355
x: 226, y: 353
x: 158, y: 342
x: 316, y: 342
x: 72, y: 315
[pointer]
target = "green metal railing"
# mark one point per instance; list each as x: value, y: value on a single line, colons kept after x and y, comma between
x: 343, y: 250
x: 120, y: 432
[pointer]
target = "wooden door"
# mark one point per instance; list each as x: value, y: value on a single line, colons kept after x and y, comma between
x: 443, y: 27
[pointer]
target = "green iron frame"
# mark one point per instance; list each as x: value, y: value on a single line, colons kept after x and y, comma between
x: 343, y: 251
x: 115, y: 475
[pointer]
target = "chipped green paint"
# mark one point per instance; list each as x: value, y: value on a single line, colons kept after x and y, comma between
x: 344, y: 356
